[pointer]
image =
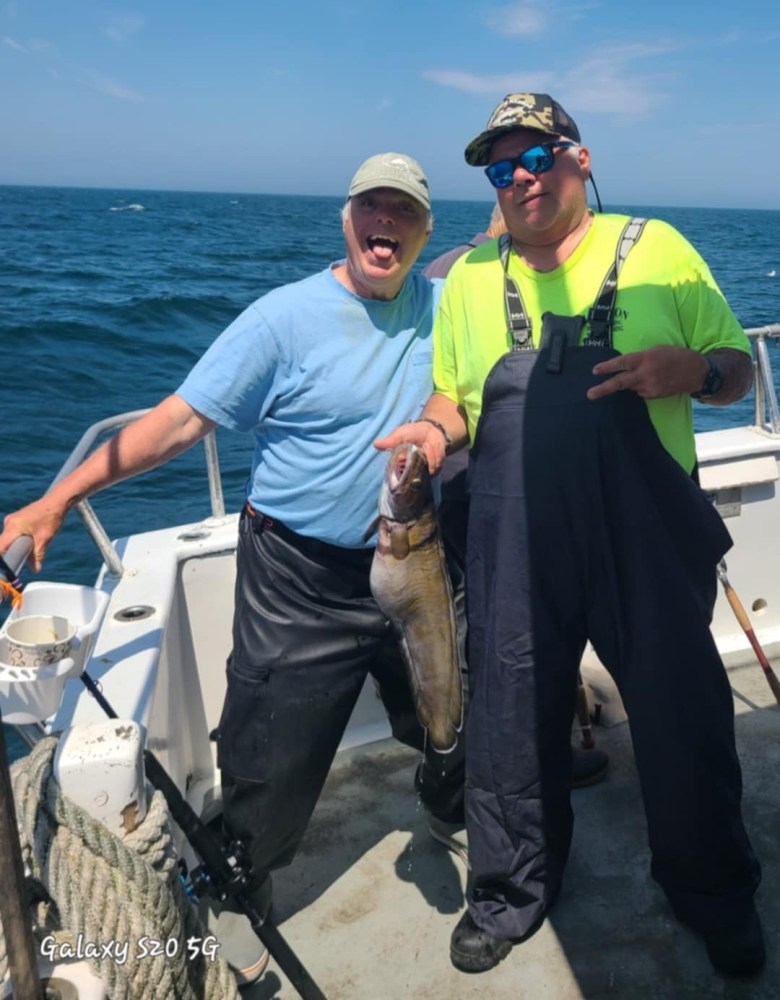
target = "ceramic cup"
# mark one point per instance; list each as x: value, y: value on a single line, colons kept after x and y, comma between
x: 34, y: 640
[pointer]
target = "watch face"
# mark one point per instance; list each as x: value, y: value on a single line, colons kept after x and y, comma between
x: 716, y: 381
x: 713, y: 381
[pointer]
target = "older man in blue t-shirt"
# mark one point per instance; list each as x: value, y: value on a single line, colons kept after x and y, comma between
x: 315, y: 371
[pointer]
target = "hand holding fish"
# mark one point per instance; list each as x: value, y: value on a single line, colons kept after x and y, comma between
x: 427, y: 437
x: 440, y: 430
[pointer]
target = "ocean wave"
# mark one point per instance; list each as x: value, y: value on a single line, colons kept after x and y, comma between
x: 135, y: 207
x: 171, y: 312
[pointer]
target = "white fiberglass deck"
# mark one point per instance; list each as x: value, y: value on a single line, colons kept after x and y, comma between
x: 371, y: 900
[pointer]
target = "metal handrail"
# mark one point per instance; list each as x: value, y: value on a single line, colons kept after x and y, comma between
x: 84, y: 508
x: 767, y: 414
x: 767, y: 417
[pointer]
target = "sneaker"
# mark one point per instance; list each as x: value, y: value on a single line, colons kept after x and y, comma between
x: 737, y: 952
x: 452, y: 835
x: 588, y: 767
x: 241, y: 948
x: 475, y: 950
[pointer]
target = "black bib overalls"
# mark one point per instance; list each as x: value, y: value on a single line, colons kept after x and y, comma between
x: 582, y: 527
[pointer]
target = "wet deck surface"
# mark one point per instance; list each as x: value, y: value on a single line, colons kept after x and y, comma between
x: 371, y: 900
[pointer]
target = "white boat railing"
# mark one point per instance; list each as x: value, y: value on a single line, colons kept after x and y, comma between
x: 84, y: 508
x: 767, y: 417
x: 767, y: 413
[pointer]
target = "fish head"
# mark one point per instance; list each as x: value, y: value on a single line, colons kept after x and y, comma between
x: 406, y: 490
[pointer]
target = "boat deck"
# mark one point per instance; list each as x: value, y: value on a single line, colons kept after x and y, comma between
x: 370, y: 902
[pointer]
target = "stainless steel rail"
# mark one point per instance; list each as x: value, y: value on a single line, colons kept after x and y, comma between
x: 84, y: 508
x: 767, y: 417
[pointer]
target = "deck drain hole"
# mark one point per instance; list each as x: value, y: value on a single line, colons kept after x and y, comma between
x: 135, y: 613
x: 193, y: 536
x: 759, y: 606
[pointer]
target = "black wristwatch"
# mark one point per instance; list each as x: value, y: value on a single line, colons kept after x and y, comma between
x: 713, y: 380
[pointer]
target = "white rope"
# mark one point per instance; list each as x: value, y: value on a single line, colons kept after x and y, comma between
x: 109, y: 891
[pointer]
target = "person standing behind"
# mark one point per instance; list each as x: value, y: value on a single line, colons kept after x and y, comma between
x: 440, y: 266
x: 567, y: 354
x: 314, y: 371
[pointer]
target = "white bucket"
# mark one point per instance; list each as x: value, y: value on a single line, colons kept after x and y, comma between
x: 44, y: 645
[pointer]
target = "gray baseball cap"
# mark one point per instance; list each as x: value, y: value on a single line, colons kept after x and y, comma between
x: 392, y: 170
x: 538, y: 112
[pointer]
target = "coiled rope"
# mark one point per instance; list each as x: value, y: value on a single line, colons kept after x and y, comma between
x: 104, y: 888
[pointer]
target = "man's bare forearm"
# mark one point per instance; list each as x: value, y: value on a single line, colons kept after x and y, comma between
x: 167, y: 430
x: 737, y: 370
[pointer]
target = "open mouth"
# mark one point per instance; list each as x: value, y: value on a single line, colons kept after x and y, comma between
x: 382, y: 247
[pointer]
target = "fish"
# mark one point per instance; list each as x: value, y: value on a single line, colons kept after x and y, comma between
x: 411, y: 585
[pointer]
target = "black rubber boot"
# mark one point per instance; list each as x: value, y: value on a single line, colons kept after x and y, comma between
x: 737, y: 951
x: 475, y: 950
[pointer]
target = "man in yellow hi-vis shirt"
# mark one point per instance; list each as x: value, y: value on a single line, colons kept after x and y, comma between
x: 566, y: 355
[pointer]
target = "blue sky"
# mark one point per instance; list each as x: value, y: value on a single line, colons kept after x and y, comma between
x: 678, y: 102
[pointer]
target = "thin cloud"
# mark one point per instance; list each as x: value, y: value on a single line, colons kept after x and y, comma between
x: 518, y: 20
x: 384, y: 104
x: 473, y: 83
x: 641, y: 50
x: 529, y: 18
x: 123, y: 28
x: 756, y: 128
x: 40, y: 45
x: 13, y: 44
x: 605, y: 81
x: 111, y: 88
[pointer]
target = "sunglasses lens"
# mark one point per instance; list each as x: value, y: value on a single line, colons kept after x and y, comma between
x: 500, y: 174
x: 537, y: 160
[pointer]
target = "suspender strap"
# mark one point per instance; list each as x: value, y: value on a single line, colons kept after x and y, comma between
x: 601, y: 316
x: 518, y: 323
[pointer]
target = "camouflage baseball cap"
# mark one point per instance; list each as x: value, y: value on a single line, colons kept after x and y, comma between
x: 535, y: 111
x: 392, y: 170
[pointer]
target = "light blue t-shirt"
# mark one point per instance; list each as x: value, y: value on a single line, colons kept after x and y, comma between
x: 316, y: 374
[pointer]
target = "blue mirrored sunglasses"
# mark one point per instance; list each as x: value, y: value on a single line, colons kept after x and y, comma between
x: 536, y: 160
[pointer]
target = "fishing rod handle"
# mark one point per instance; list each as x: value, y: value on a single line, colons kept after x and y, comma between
x: 14, y: 558
x: 738, y: 608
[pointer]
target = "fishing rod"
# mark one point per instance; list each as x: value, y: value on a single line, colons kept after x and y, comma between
x: 583, y: 716
x: 747, y: 628
x: 19, y: 939
x: 20, y: 942
x: 12, y: 560
x: 226, y: 872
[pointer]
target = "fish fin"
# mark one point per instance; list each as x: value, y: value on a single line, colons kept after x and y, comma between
x: 399, y: 541
x: 371, y: 528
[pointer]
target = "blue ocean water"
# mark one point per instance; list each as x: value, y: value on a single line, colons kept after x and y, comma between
x: 108, y: 298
